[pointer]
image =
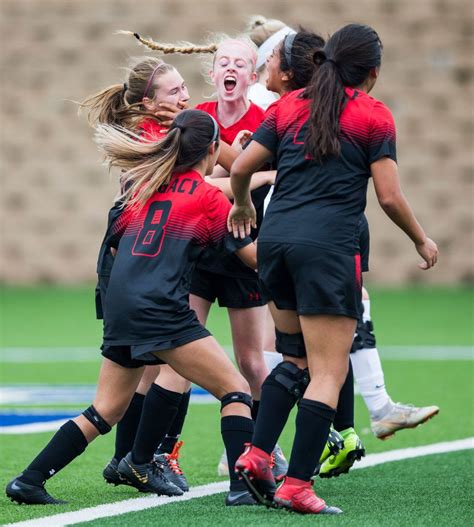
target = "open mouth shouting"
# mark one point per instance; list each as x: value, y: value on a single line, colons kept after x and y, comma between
x: 230, y: 82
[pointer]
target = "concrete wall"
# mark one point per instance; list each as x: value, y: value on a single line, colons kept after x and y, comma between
x: 55, y: 194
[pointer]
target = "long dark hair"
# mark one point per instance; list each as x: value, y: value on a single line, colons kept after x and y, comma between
x: 296, y: 57
x: 150, y: 164
x: 346, y: 60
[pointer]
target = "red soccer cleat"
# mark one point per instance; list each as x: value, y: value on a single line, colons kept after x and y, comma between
x: 254, y: 466
x: 299, y: 496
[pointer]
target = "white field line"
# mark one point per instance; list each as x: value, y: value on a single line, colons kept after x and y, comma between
x: 71, y: 354
x: 139, y: 504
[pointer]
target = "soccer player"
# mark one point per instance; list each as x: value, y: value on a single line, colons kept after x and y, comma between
x: 329, y: 139
x: 169, y: 215
x: 134, y: 105
x: 225, y: 279
x: 228, y: 282
x: 387, y: 417
x: 289, y: 70
x: 151, y: 82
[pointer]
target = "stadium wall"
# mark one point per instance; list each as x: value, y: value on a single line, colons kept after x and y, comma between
x: 55, y: 194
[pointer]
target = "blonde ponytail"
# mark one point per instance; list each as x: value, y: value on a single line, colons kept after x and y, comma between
x: 186, y: 49
x: 147, y: 164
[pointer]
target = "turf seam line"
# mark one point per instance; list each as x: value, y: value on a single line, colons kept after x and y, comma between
x: 137, y: 504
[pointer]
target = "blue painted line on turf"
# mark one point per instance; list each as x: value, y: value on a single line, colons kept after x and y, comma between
x: 24, y: 417
x: 37, y: 395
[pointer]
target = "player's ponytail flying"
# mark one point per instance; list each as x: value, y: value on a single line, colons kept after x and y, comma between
x: 150, y: 164
x: 346, y: 60
x: 186, y: 49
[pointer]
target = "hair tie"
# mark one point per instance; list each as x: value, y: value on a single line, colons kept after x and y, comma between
x: 150, y: 80
x: 288, y: 44
x: 216, y: 130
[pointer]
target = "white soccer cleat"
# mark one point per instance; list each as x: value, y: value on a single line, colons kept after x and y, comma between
x: 223, y: 467
x: 401, y: 416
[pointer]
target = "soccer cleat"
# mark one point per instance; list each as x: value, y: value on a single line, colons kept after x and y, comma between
x: 298, y: 495
x: 342, y: 462
x: 254, y: 466
x: 147, y: 477
x: 236, y: 498
x: 171, y: 469
x: 333, y: 446
x: 279, y: 463
x: 402, y: 416
x: 111, y: 473
x: 22, y: 492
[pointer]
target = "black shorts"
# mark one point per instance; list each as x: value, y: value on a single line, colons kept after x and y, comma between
x: 238, y: 293
x: 310, y: 280
x: 140, y: 355
x: 122, y: 355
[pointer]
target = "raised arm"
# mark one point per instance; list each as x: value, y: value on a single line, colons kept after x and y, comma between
x: 395, y: 205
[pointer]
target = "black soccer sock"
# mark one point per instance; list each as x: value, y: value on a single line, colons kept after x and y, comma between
x: 174, y: 432
x: 345, y: 407
x: 127, y: 427
x: 66, y: 444
x: 255, y: 407
x: 236, y: 431
x: 312, y: 429
x: 159, y: 410
x: 275, y: 406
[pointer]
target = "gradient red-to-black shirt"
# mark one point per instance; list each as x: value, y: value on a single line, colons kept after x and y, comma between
x: 147, y: 295
x: 230, y: 265
x: 322, y: 203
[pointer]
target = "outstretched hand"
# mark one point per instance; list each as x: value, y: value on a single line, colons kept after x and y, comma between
x: 241, y: 219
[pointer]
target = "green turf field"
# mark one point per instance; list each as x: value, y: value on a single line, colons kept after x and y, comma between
x: 426, y: 490
x: 60, y: 316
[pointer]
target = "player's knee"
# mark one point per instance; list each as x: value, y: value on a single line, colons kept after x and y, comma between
x: 289, y: 377
x: 250, y: 366
x: 103, y: 424
x: 290, y: 344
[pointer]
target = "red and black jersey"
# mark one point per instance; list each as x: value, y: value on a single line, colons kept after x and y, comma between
x: 322, y: 203
x: 158, y: 245
x: 251, y: 120
x: 229, y: 265
x: 151, y: 130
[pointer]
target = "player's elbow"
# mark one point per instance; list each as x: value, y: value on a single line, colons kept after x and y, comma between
x: 238, y: 170
x: 390, y: 202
